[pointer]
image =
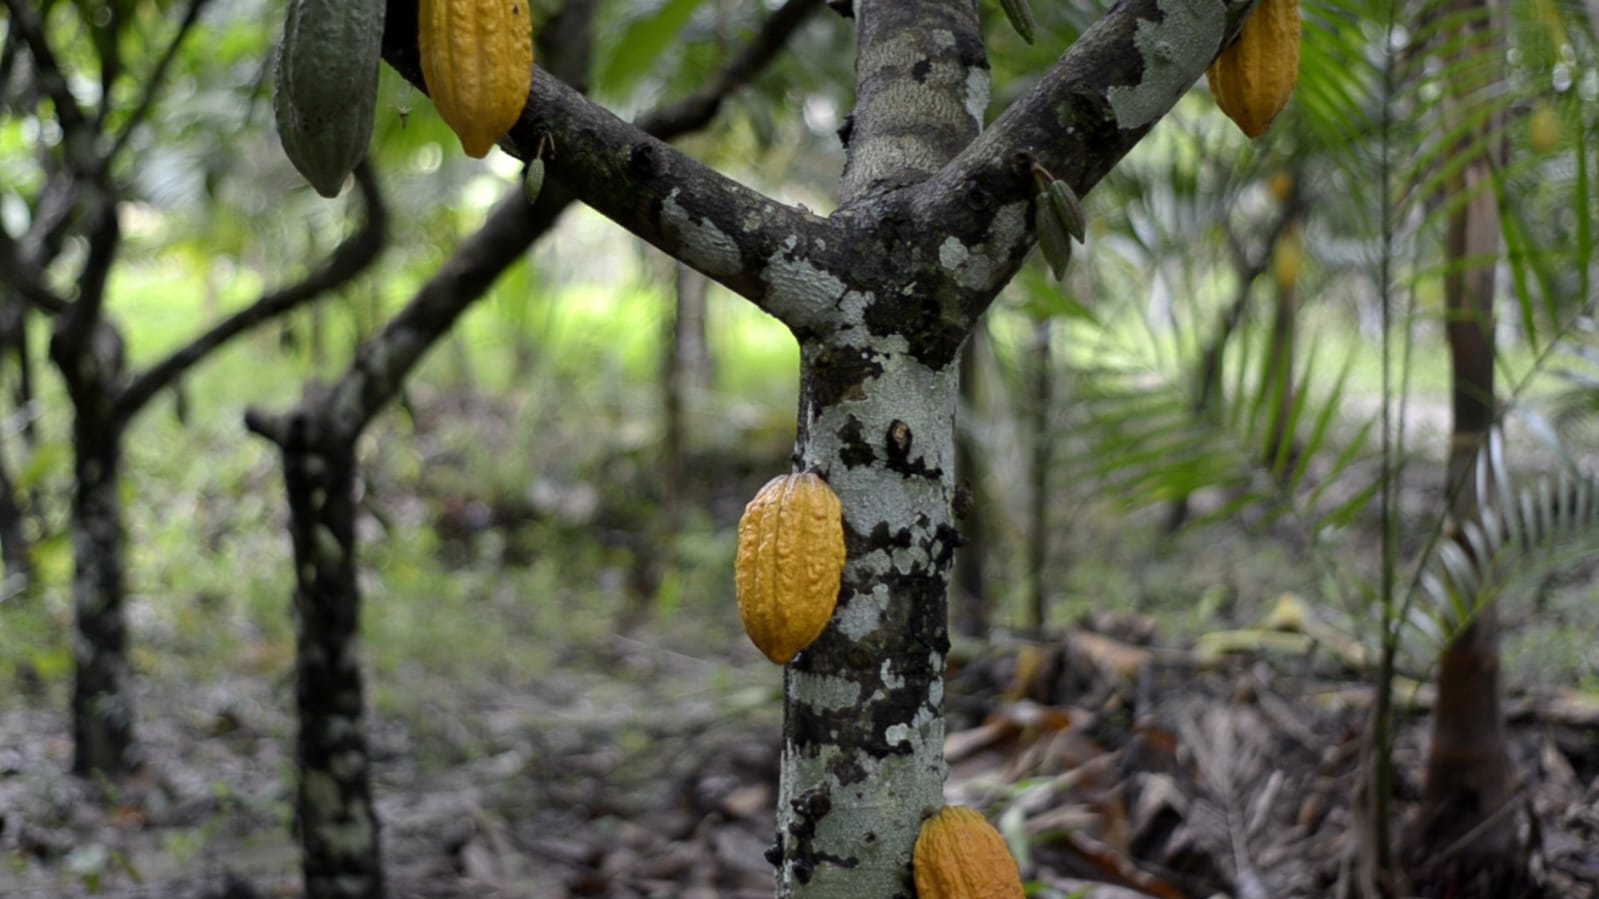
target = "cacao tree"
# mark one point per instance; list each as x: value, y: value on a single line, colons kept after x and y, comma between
x: 83, y: 186
x: 934, y: 216
x: 336, y: 824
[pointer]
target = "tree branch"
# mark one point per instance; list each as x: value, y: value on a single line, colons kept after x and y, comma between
x: 348, y: 261
x: 103, y: 234
x: 157, y: 78
x: 383, y: 363
x: 711, y: 222
x: 25, y: 280
x: 694, y: 111
x: 730, y: 232
x: 1121, y: 76
x: 51, y: 79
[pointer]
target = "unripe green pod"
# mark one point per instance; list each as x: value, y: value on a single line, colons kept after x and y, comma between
x: 325, y: 86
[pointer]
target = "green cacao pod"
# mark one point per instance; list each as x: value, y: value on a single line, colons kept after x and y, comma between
x: 325, y: 86
x: 959, y: 855
x: 790, y: 559
x: 1254, y: 77
x: 477, y: 61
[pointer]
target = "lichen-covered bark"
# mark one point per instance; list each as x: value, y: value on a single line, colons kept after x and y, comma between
x: 864, y: 729
x: 333, y: 799
x: 922, y: 77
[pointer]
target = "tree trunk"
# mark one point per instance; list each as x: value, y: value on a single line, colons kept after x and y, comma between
x: 1468, y: 766
x: 863, y: 726
x: 102, y: 698
x: 969, y: 612
x: 685, y: 373
x: 333, y: 802
x: 1040, y: 399
x: 1278, y: 374
x: 14, y: 552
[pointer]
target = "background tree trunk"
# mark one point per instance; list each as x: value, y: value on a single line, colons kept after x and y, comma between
x: 1468, y: 782
x: 686, y: 373
x: 1040, y: 399
x: 103, y: 735
x: 1278, y: 372
x: 969, y: 611
x: 333, y: 799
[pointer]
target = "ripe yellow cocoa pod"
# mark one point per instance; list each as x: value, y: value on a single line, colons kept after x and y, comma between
x: 1253, y: 79
x: 790, y: 559
x: 477, y: 62
x: 959, y: 855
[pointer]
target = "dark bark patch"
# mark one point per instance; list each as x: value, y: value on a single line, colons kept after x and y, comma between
x: 855, y: 451
x: 840, y: 373
x: 921, y: 70
x: 882, y: 538
x: 946, y: 540
x: 641, y: 159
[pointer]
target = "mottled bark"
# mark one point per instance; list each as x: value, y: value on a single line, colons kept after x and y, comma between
x: 863, y: 724
x: 89, y: 354
x: 333, y: 798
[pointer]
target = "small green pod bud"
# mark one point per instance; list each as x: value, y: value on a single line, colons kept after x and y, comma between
x: 533, y: 179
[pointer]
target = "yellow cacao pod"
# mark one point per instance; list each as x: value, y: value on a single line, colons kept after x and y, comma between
x: 959, y: 855
x: 1254, y: 77
x: 790, y: 559
x: 477, y: 62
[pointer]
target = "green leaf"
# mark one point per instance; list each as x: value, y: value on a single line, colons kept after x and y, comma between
x: 642, y: 45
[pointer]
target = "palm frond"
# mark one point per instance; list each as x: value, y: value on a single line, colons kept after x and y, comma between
x: 1524, y: 527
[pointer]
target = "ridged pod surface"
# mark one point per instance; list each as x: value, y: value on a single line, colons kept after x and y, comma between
x: 325, y: 86
x: 790, y: 559
x: 477, y: 62
x: 959, y: 855
x: 1253, y: 79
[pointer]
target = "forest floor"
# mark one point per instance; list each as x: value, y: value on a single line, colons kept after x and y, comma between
x: 532, y: 738
x: 1122, y: 766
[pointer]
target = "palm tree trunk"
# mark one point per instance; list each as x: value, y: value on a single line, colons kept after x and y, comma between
x: 1461, y: 831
